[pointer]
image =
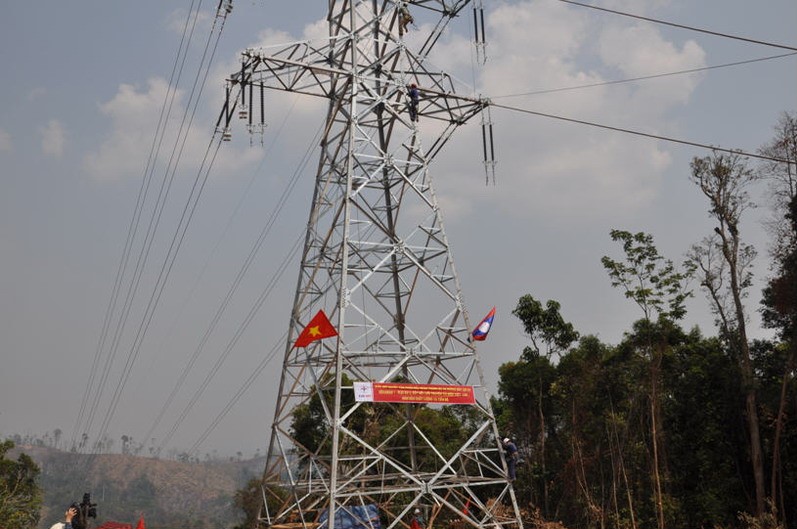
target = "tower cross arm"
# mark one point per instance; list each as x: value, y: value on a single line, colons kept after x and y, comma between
x: 300, y: 68
x: 450, y: 107
x: 297, y: 67
x: 446, y: 7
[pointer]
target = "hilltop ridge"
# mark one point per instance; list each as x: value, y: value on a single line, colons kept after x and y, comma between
x: 167, y: 493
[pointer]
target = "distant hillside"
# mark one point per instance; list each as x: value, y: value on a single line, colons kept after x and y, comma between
x: 169, y: 494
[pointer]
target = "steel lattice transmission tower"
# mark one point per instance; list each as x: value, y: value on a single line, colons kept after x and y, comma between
x: 377, y: 261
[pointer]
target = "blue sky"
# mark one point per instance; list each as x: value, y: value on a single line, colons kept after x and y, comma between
x: 83, y: 86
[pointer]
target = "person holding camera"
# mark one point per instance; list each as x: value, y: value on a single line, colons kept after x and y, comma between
x: 77, y: 515
x: 70, y: 515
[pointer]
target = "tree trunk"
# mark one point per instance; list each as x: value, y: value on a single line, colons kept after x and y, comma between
x: 594, y: 512
x: 542, y: 453
x: 621, y: 459
x: 654, y: 415
x: 775, y: 481
x: 724, y: 179
x: 748, y: 379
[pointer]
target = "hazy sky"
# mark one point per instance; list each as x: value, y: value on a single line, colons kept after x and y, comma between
x: 83, y: 87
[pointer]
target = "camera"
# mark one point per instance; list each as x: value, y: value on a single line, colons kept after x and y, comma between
x: 85, y: 510
x: 89, y: 508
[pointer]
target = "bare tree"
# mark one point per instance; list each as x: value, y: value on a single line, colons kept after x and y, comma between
x: 725, y: 261
x: 781, y: 174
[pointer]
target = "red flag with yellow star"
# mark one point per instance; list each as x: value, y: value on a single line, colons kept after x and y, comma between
x: 318, y: 328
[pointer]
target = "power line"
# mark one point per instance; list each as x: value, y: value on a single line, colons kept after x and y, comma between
x: 266, y: 229
x: 214, y: 424
x: 157, y: 141
x: 177, y: 238
x: 655, y: 76
x: 264, y: 295
x: 644, y: 134
x: 682, y: 26
x: 228, y: 297
x: 238, y: 394
x: 249, y: 381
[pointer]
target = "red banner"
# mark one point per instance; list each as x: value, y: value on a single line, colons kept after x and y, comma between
x: 413, y: 393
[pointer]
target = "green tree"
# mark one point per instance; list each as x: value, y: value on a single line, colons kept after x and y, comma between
x: 545, y: 326
x: 706, y: 432
x: 589, y: 381
x: 658, y: 288
x: 651, y: 281
x: 779, y: 312
x: 20, y: 494
x: 526, y: 384
x: 248, y: 501
x: 310, y: 424
x: 524, y: 388
x: 779, y: 303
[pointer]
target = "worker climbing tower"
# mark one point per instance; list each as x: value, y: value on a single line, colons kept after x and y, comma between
x: 360, y: 423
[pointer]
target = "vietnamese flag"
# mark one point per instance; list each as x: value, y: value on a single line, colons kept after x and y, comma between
x: 318, y: 328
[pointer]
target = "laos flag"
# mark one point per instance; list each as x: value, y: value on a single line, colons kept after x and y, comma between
x: 480, y: 332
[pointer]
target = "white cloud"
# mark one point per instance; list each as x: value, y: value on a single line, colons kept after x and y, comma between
x: 316, y: 30
x: 37, y: 93
x: 134, y: 119
x: 651, y: 55
x: 5, y: 141
x: 53, y: 138
x: 552, y: 167
x: 546, y: 166
x: 135, y: 115
x: 178, y: 22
